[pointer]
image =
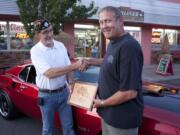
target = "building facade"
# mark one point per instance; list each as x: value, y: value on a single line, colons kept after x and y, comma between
x: 147, y: 20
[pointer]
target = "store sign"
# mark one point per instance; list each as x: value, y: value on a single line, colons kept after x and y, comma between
x: 13, y: 28
x: 17, y: 28
x: 2, y: 27
x: 21, y: 35
x: 132, y: 14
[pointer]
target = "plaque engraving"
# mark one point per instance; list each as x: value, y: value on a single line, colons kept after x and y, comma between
x: 83, y: 95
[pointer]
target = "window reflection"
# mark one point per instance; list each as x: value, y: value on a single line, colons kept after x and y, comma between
x: 158, y: 35
x: 87, y: 39
x: 19, y: 39
x: 134, y: 31
x: 3, y: 35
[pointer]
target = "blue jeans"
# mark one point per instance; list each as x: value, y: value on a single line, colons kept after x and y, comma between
x: 56, y: 102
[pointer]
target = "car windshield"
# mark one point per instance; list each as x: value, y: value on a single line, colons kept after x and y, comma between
x: 90, y: 75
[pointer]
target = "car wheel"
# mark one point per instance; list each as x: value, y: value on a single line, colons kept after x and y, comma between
x: 7, y: 108
x: 100, y: 133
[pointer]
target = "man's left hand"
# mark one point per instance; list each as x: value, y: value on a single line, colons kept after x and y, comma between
x: 97, y: 103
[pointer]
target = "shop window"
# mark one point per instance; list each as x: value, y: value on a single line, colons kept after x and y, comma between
x: 3, y: 35
x: 86, y: 40
x: 134, y: 31
x: 19, y: 39
x: 158, y: 35
x: 172, y: 36
x: 178, y: 37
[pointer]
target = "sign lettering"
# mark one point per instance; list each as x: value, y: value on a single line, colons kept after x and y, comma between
x: 132, y: 14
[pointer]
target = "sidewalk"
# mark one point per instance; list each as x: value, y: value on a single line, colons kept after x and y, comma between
x: 149, y: 74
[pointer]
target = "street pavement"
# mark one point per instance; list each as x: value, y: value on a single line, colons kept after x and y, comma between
x: 149, y: 74
x: 23, y: 125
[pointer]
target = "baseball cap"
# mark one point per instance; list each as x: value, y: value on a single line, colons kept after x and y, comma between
x: 41, y: 24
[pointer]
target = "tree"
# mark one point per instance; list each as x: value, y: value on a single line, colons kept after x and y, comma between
x: 56, y: 11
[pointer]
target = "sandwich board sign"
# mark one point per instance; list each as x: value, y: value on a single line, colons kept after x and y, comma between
x: 165, y: 66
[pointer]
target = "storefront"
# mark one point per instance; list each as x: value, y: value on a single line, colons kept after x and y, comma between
x: 13, y: 36
x: 87, y: 39
x: 148, y: 22
x: 14, y: 43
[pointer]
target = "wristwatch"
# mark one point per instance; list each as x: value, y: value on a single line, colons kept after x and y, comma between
x: 102, y: 103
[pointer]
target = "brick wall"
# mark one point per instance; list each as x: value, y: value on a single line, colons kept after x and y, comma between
x: 11, y: 58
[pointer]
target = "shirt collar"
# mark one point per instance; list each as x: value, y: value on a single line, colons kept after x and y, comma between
x: 118, y: 39
x: 44, y: 48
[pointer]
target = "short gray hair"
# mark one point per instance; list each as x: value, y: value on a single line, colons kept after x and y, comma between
x: 115, y: 10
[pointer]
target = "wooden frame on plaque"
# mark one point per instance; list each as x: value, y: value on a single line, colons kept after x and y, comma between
x: 83, y: 95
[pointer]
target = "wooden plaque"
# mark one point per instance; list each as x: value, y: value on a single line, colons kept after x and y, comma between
x: 83, y: 95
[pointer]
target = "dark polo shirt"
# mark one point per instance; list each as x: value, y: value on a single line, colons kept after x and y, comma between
x: 122, y: 70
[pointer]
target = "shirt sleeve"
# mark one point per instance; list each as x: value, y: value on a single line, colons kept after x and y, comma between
x: 130, y: 68
x: 68, y: 62
x: 39, y: 62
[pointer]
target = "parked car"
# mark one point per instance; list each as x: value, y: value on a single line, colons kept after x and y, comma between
x: 18, y: 93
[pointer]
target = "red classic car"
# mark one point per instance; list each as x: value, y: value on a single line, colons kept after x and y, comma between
x: 18, y: 93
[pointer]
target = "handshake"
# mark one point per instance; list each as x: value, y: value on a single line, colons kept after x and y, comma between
x: 82, y: 64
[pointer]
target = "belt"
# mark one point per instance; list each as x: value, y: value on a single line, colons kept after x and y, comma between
x: 53, y: 91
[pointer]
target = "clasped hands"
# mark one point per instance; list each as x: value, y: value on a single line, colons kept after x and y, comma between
x: 82, y: 64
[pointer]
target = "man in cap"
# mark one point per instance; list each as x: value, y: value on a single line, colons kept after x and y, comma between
x: 54, y: 70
